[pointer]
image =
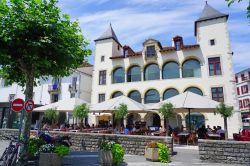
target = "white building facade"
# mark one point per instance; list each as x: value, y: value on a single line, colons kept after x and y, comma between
x: 78, y: 85
x: 157, y: 72
x: 242, y: 80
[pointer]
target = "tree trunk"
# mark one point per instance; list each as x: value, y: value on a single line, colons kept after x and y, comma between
x: 81, y: 125
x: 118, y: 124
x: 167, y: 126
x: 23, y: 160
x: 225, y: 128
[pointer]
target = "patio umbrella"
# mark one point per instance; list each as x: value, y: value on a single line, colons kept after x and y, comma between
x: 109, y: 105
x: 189, y: 102
x: 65, y: 105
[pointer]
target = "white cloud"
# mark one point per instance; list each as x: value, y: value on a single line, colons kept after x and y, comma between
x: 137, y: 20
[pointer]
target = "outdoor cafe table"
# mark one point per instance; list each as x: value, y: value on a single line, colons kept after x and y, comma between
x: 213, y: 136
x: 183, y: 137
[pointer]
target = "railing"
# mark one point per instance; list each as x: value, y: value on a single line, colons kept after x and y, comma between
x: 54, y: 88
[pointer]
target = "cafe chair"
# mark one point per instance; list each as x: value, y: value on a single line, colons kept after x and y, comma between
x: 192, y: 139
x: 176, y: 138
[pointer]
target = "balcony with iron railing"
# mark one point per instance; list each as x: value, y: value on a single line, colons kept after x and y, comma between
x: 55, y: 88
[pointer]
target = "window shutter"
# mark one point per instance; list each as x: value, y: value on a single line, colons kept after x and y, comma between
x: 238, y: 91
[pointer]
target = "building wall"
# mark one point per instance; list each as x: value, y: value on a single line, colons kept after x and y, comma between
x: 213, y: 29
x: 243, y: 96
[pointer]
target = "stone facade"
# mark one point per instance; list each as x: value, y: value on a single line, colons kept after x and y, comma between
x: 133, y: 144
x: 237, y: 152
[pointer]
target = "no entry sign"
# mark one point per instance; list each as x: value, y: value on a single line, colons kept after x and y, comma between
x: 29, y: 105
x: 17, y: 105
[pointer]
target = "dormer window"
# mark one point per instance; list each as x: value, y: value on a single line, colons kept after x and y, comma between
x: 178, y: 45
x: 150, y: 51
x: 125, y: 52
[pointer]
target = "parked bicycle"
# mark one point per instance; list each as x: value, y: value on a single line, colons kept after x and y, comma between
x: 10, y: 155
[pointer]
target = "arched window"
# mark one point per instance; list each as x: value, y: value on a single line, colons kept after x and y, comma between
x: 135, y: 95
x: 117, y: 94
x: 152, y: 96
x: 152, y: 72
x: 170, y: 93
x: 194, y: 90
x: 118, y: 75
x: 191, y: 68
x: 171, y: 70
x: 196, y: 120
x: 134, y: 74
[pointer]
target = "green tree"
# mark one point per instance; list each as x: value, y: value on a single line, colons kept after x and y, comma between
x: 37, y: 41
x: 225, y: 112
x: 81, y: 112
x: 230, y: 2
x: 52, y: 115
x: 119, y: 113
x: 167, y: 111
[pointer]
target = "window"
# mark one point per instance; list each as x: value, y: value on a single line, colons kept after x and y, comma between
x: 118, y: 75
x: 135, y: 95
x: 214, y: 66
x: 102, y: 77
x: 118, y: 47
x: 244, y: 89
x: 101, y: 97
x: 134, y: 74
x: 152, y: 72
x: 236, y: 79
x: 74, y: 80
x: 125, y: 52
x: 171, y: 70
x: 72, y: 95
x: 117, y: 94
x: 217, y: 94
x: 212, y: 42
x: 170, y: 93
x: 240, y: 104
x: 194, y: 90
x: 152, y: 96
x: 191, y: 68
x: 178, y: 45
x: 242, y: 77
x: 54, y: 98
x: 102, y: 58
x: 245, y: 103
x: 150, y: 51
x: 248, y: 75
x: 238, y: 91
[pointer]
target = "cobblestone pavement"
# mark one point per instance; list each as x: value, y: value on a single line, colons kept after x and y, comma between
x: 185, y: 156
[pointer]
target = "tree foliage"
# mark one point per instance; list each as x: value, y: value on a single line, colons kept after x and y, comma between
x: 52, y: 115
x: 230, y: 2
x: 166, y: 110
x: 80, y: 112
x: 120, y: 112
x: 37, y: 40
x: 224, y: 110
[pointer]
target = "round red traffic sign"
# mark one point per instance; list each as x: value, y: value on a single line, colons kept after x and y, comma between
x: 17, y: 105
x: 29, y: 105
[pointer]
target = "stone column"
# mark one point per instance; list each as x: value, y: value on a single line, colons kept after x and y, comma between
x: 142, y: 75
x: 180, y: 70
x: 162, y: 123
x: 160, y: 74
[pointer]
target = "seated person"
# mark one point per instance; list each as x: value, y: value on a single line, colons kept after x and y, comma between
x: 202, y: 131
x: 126, y: 130
x: 220, y: 130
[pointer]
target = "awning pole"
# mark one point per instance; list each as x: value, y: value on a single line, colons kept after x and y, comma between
x: 189, y: 119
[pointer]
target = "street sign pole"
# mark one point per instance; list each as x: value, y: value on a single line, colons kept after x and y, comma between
x: 21, y: 125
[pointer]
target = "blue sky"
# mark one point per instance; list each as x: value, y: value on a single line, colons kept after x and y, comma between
x: 136, y: 20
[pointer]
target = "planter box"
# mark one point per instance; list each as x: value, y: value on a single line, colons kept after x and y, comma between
x: 105, y: 158
x: 50, y: 159
x: 151, y: 154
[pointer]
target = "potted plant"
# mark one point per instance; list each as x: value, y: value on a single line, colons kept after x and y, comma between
x: 111, y: 153
x: 51, y: 155
x: 155, y: 151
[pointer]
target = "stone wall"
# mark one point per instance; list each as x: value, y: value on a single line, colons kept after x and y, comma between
x: 237, y: 152
x: 133, y: 144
